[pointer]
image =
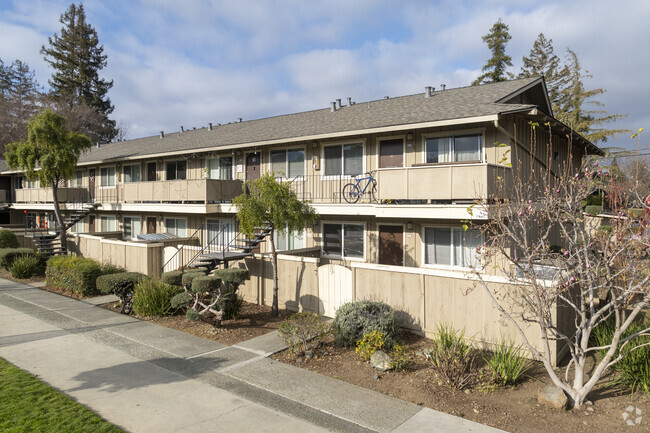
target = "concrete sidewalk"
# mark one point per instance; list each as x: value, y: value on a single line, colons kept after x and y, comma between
x: 144, y: 377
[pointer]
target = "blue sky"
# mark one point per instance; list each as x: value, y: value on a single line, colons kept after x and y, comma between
x: 197, y: 61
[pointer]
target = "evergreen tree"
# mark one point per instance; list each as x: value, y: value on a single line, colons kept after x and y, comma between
x: 77, y: 58
x: 573, y: 101
x: 495, y: 68
x: 543, y: 62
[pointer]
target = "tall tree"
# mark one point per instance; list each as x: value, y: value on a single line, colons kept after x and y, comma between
x: 20, y: 99
x: 54, y: 149
x: 543, y: 62
x: 574, y: 100
x: 272, y: 203
x: 495, y: 68
x: 77, y: 58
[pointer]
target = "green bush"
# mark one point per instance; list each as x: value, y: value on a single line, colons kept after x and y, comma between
x: 120, y: 284
x: 8, y: 239
x: 153, y: 298
x: 452, y: 358
x: 593, y: 210
x: 303, y: 331
x: 234, y: 276
x: 400, y: 358
x: 73, y: 274
x: 369, y: 344
x: 27, y: 266
x: 231, y: 304
x: 192, y: 315
x: 187, y: 278
x: 109, y: 268
x: 181, y: 300
x: 507, y: 363
x: 174, y: 278
x: 8, y: 255
x: 353, y: 320
x: 605, y: 229
x: 206, y: 284
x: 595, y: 200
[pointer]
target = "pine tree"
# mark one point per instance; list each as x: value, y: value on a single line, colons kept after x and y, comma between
x: 77, y: 58
x: 543, y: 62
x: 495, y: 68
x: 573, y: 101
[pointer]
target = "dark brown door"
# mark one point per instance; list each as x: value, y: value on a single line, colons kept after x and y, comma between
x: 252, y: 165
x: 151, y: 171
x: 91, y: 223
x: 391, y: 245
x: 391, y: 153
x: 91, y: 184
x: 151, y: 225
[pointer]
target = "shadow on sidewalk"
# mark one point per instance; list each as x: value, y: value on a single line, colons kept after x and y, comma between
x: 12, y: 340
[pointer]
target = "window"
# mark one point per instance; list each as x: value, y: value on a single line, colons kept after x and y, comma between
x: 451, y: 246
x: 455, y: 148
x: 220, y: 168
x: 107, y: 223
x: 343, y: 160
x: 220, y: 232
x: 77, y: 180
x: 107, y: 176
x: 78, y: 227
x: 176, y: 170
x: 176, y: 226
x: 343, y: 240
x: 30, y: 184
x: 131, y: 173
x: 131, y: 227
x: 288, y: 163
x: 293, y: 240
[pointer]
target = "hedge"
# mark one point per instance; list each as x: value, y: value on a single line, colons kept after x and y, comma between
x: 174, y: 278
x: 8, y: 239
x: 123, y: 281
x: 593, y: 209
x: 8, y: 255
x: 73, y: 274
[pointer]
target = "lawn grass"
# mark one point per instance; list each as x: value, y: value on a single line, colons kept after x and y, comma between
x: 29, y: 405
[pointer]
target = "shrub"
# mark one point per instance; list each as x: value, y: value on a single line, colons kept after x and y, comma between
x: 174, y: 278
x: 369, y: 344
x: 27, y: 266
x: 593, y: 210
x: 181, y: 300
x: 109, y: 268
x: 192, y: 315
x: 8, y: 255
x: 303, y: 331
x: 234, y: 276
x: 507, y: 363
x: 231, y: 304
x: 596, y: 200
x: 8, y: 239
x: 120, y: 284
x: 206, y: 283
x: 186, y: 278
x: 73, y: 274
x: 452, y: 357
x: 605, y: 229
x: 153, y: 298
x: 400, y: 358
x: 353, y: 320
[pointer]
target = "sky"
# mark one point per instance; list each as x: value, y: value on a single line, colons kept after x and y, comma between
x: 192, y: 62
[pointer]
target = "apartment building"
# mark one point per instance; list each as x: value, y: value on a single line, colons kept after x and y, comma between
x: 432, y: 155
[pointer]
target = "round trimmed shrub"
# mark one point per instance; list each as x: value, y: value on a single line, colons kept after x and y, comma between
x: 234, y: 276
x: 192, y: 315
x: 174, y: 278
x: 8, y: 239
x: 119, y: 284
x: 353, y: 320
x: 188, y: 277
x: 181, y: 300
x: 207, y: 283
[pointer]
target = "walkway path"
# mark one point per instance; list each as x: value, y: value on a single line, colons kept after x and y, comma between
x: 147, y: 378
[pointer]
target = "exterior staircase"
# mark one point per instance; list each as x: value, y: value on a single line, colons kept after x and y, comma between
x: 48, y: 242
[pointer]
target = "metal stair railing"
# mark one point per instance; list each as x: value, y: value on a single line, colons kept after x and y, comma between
x: 178, y: 255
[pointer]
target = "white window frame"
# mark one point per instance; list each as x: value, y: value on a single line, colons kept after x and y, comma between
x: 108, y: 218
x: 31, y: 184
x: 176, y: 219
x: 389, y: 138
x: 101, y: 177
x: 324, y: 176
x: 480, y: 132
x: 218, y: 159
x: 124, y: 173
x: 77, y: 181
x: 451, y: 246
x: 343, y: 256
x: 175, y: 161
x: 220, y: 222
x: 285, y: 172
x: 132, y: 218
x: 301, y: 234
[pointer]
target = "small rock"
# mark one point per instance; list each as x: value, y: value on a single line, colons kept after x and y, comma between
x: 309, y: 354
x: 467, y: 391
x: 552, y: 396
x: 380, y: 361
x: 590, y: 409
x: 589, y: 403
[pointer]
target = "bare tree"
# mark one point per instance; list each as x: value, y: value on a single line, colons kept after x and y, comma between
x: 566, y: 277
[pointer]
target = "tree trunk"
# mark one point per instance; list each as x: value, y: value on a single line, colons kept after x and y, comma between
x: 274, y: 256
x: 58, y: 215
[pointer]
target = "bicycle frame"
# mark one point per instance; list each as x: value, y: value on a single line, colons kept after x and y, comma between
x: 369, y: 178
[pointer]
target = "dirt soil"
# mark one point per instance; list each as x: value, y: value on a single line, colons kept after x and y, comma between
x: 254, y: 320
x: 514, y: 409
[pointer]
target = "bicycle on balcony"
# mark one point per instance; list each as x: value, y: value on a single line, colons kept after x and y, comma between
x: 352, y: 192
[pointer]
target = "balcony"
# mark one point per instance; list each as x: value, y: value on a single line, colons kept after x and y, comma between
x: 44, y: 195
x: 439, y: 182
x: 172, y: 191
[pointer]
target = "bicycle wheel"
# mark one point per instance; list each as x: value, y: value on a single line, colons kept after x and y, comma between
x: 351, y: 193
x: 373, y: 192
